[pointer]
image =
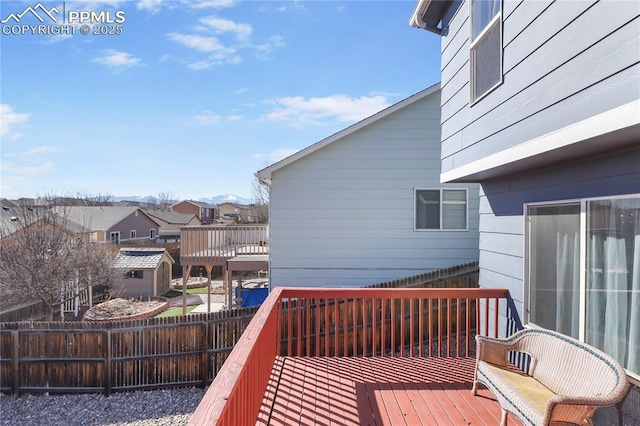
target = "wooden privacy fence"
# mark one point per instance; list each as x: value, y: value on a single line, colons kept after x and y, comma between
x: 78, y: 357
x: 118, y: 356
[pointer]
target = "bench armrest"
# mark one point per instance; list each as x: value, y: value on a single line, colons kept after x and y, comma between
x: 494, y: 351
x: 572, y: 409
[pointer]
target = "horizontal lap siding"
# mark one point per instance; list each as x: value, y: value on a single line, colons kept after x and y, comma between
x: 502, y: 229
x: 563, y: 62
x: 343, y: 215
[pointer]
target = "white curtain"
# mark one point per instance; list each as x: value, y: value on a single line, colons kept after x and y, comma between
x: 613, y: 305
x: 568, y: 283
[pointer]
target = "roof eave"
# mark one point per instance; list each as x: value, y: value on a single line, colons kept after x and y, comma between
x: 427, y: 15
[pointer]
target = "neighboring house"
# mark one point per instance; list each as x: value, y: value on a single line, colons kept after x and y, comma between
x: 169, y: 223
x: 541, y: 106
x: 365, y: 205
x: 231, y: 213
x: 113, y: 224
x: 207, y: 213
x: 147, y: 271
x: 14, y: 217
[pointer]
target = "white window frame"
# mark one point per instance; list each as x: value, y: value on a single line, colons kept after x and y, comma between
x: 152, y: 233
x: 440, y: 205
x: 132, y: 234
x: 582, y: 319
x: 117, y: 235
x: 496, y: 20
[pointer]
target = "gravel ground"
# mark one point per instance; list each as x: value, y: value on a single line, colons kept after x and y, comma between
x: 143, y: 408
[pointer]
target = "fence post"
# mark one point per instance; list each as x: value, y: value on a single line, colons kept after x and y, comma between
x: 107, y: 361
x: 204, y: 361
x: 15, y: 360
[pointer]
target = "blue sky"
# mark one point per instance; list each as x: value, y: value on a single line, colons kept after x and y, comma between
x: 193, y: 97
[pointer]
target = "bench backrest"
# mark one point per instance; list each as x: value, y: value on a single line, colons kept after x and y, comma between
x: 570, y: 367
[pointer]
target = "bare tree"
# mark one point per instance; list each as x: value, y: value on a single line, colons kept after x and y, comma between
x: 41, y: 250
x: 260, y: 207
x: 163, y: 201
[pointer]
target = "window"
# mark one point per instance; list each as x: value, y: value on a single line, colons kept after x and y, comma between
x: 440, y: 209
x: 114, y: 237
x: 132, y: 233
x: 134, y: 274
x: 598, y: 303
x: 486, y: 47
x: 152, y: 233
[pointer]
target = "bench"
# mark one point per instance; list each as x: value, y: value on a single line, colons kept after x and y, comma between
x: 560, y: 379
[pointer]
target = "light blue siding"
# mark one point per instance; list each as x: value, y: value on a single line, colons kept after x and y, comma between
x: 564, y: 61
x: 502, y: 226
x: 343, y: 215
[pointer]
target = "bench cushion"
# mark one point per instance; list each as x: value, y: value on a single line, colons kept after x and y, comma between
x: 523, y: 395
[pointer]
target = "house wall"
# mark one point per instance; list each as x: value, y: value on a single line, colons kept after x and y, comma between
x: 141, y: 223
x: 344, y: 214
x: 502, y: 247
x: 134, y: 287
x: 564, y: 61
x: 186, y: 207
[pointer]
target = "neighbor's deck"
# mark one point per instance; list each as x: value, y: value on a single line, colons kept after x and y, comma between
x: 376, y: 391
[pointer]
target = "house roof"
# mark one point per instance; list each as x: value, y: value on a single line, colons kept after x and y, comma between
x: 197, y: 203
x: 96, y: 218
x: 139, y: 258
x: 14, y: 217
x: 170, y: 216
x: 236, y: 206
x: 265, y: 174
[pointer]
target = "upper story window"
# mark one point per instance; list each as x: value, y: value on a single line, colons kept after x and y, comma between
x: 440, y: 209
x: 486, y: 47
x: 132, y: 233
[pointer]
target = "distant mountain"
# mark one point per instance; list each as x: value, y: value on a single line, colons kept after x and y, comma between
x: 226, y: 198
x: 218, y: 199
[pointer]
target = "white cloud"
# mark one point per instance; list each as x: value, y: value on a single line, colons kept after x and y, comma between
x: 30, y: 170
x: 152, y: 6
x: 217, y: 52
x: 207, y: 118
x: 216, y: 4
x: 199, y: 43
x: 241, y: 90
x: 8, y: 119
x: 33, y: 151
x: 272, y: 43
x: 235, y: 117
x: 221, y: 25
x: 116, y: 59
x: 339, y: 107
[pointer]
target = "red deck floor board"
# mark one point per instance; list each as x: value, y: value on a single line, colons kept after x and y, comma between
x: 376, y: 391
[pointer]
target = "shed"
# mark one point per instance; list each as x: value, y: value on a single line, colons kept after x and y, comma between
x: 147, y: 271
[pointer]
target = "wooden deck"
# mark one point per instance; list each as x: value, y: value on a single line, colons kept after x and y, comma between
x: 376, y: 391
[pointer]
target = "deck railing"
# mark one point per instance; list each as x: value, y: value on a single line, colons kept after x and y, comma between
x: 347, y: 322
x: 204, y: 245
